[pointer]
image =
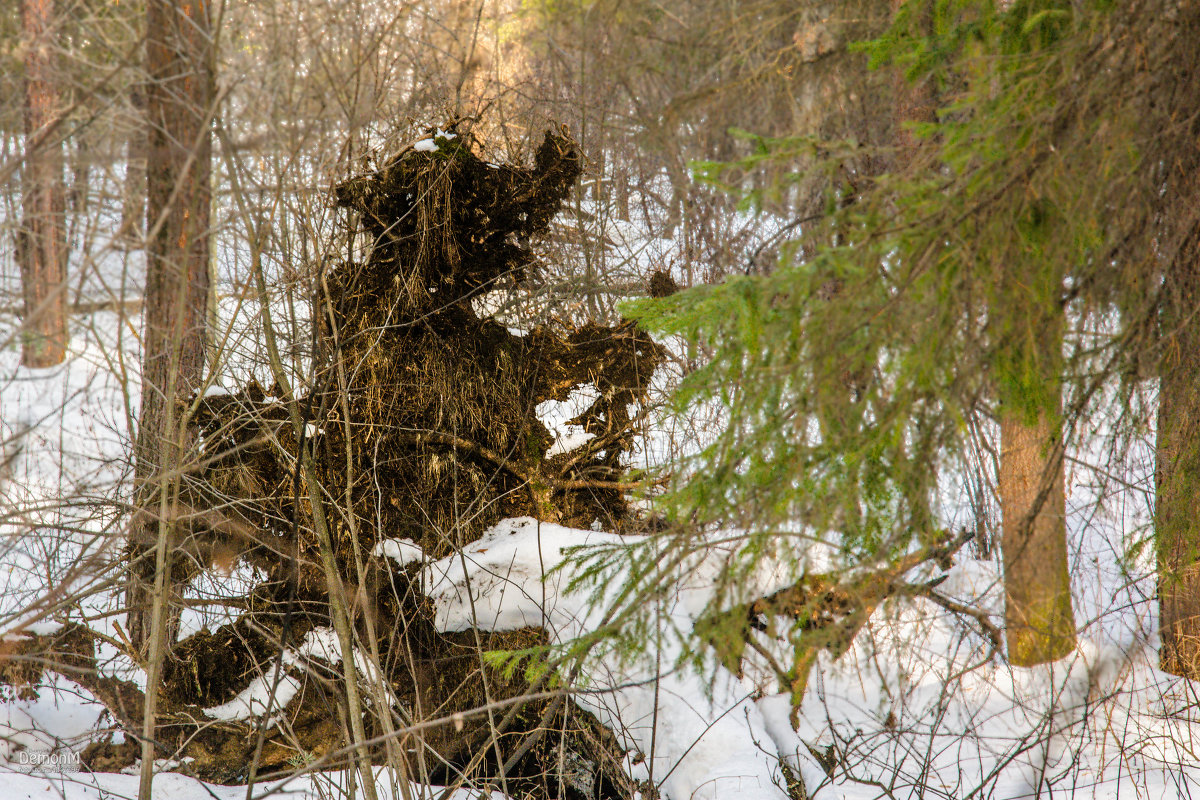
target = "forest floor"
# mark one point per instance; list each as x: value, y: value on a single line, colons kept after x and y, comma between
x: 919, y: 707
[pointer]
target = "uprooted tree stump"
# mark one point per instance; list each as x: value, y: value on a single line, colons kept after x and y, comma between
x: 420, y: 423
x: 420, y: 420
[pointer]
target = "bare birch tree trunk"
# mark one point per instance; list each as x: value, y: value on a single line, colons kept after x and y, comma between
x: 43, y: 246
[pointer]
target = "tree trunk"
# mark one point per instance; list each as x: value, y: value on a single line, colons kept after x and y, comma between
x: 1178, y: 469
x: 621, y: 190
x: 43, y: 247
x: 1037, y: 586
x: 81, y: 172
x: 133, y: 194
x: 179, y: 100
x: 178, y: 112
x: 1038, y: 616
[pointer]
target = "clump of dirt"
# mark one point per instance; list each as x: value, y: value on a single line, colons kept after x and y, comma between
x: 110, y: 757
x: 662, y: 284
x: 422, y: 425
x: 209, y: 668
x: 25, y: 656
x: 570, y: 756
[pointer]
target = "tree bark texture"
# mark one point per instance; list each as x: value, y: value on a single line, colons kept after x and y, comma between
x: 1038, y: 616
x: 133, y: 199
x: 42, y: 250
x: 179, y: 98
x: 1177, y: 503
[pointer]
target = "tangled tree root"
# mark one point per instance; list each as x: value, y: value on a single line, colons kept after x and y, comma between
x: 420, y: 424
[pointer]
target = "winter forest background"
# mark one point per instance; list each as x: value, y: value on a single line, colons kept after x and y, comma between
x: 599, y: 399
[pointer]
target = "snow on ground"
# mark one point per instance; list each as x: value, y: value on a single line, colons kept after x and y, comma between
x: 63, y: 437
x: 61, y: 720
x: 705, y: 746
x: 38, y: 785
x: 917, y: 708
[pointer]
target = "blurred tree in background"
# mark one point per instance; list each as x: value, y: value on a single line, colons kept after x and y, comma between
x: 42, y: 241
x: 1034, y: 246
